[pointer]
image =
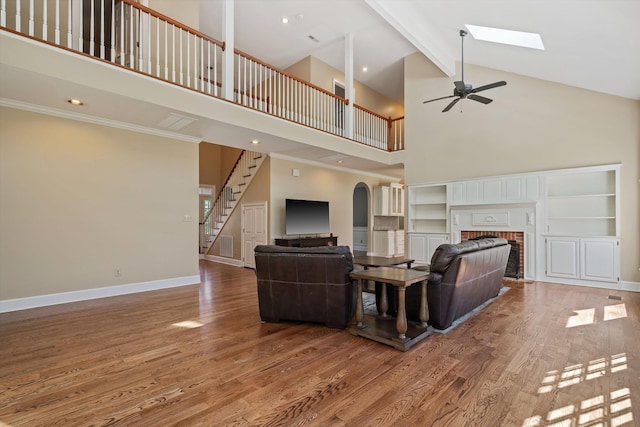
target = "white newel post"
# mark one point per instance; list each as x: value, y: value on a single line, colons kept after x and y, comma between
x: 227, y: 55
x: 348, y: 77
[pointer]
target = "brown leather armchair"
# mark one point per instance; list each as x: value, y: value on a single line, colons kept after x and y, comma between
x: 305, y: 284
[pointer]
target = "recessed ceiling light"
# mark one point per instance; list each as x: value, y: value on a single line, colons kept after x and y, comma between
x: 255, y: 142
x: 364, y: 69
x: 285, y: 20
x: 75, y: 102
x: 339, y: 161
x: 514, y: 38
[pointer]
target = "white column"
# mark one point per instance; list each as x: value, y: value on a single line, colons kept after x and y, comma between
x: 348, y: 82
x: 227, y: 55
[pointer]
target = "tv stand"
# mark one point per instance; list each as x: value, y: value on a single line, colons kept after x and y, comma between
x: 307, y: 242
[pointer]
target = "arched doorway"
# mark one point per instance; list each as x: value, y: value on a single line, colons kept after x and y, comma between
x: 361, y: 196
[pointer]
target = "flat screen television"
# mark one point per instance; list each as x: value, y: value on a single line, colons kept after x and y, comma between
x: 306, y: 217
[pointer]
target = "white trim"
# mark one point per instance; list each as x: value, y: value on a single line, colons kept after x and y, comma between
x: 615, y: 286
x: 630, y: 286
x: 222, y: 260
x: 10, y: 103
x: 541, y: 173
x: 95, y: 293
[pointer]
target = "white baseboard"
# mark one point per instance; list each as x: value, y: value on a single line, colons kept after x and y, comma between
x: 224, y: 260
x: 617, y: 286
x: 630, y: 286
x: 89, y: 294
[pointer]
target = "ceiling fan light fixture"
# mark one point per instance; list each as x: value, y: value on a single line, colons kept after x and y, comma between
x: 510, y: 37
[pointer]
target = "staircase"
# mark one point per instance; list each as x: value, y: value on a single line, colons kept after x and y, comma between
x: 238, y: 181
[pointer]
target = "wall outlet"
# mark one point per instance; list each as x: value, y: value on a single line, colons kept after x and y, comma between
x: 117, y: 272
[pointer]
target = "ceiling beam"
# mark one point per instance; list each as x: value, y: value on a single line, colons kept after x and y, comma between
x: 403, y: 17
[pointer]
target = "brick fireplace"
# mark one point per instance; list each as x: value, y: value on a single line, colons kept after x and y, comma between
x: 512, y: 222
x: 515, y: 236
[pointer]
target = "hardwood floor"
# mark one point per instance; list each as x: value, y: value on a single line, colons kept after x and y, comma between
x: 541, y: 354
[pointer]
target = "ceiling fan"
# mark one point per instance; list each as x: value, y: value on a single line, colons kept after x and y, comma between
x: 463, y: 91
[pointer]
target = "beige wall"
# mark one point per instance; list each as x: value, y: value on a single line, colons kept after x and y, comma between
x: 215, y: 163
x: 321, y: 74
x: 316, y: 183
x: 184, y: 11
x: 79, y: 200
x: 532, y: 125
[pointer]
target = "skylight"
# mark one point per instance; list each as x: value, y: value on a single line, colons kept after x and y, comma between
x: 514, y: 38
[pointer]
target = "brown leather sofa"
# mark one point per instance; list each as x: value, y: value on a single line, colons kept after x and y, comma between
x: 462, y: 277
x: 305, y: 284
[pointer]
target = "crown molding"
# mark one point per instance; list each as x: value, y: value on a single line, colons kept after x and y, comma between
x: 10, y: 103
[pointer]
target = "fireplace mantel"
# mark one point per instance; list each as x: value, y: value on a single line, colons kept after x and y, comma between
x: 500, y: 218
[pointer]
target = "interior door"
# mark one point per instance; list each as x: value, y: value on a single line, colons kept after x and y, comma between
x: 254, y: 230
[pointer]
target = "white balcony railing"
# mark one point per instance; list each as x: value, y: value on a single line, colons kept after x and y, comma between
x: 136, y: 37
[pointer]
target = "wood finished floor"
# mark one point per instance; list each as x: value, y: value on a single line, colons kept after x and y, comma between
x: 540, y: 355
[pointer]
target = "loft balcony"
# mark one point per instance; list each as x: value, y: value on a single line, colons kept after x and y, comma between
x: 123, y: 34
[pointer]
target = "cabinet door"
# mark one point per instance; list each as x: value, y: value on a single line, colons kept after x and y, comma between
x: 396, y: 200
x: 418, y: 248
x: 383, y: 243
x: 399, y: 234
x: 381, y: 201
x: 562, y: 257
x: 599, y: 259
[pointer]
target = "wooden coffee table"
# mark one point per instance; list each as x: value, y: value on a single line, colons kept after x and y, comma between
x: 381, y: 261
x: 400, y: 334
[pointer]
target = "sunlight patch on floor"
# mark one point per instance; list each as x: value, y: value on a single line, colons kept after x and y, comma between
x: 612, y: 312
x: 575, y: 374
x: 188, y: 324
x: 587, y: 316
x: 614, y: 410
x: 582, y: 317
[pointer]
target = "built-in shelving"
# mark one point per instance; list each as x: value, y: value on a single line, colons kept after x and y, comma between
x: 582, y: 204
x: 428, y: 209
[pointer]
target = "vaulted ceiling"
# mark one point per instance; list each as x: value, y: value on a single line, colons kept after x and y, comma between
x: 591, y: 44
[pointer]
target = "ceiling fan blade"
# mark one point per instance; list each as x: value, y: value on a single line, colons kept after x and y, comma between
x: 460, y: 87
x: 438, y: 99
x: 489, y: 86
x: 480, y: 98
x: 448, y: 107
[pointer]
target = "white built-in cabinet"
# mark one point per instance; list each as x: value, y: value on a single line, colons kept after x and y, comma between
x: 427, y: 209
x: 388, y: 200
x: 590, y: 258
x: 582, y: 225
x: 422, y: 246
x: 572, y: 224
x: 388, y: 243
x: 388, y: 211
x: 516, y: 189
x: 427, y: 221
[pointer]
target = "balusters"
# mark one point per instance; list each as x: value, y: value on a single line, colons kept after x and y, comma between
x: 31, y: 19
x: 123, y: 32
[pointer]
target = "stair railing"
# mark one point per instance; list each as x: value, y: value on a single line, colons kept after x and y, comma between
x: 231, y: 191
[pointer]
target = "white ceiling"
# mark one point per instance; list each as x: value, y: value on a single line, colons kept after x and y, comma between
x: 591, y: 44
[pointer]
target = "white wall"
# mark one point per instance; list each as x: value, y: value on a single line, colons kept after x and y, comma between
x: 532, y: 125
x: 79, y: 200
